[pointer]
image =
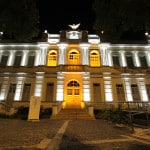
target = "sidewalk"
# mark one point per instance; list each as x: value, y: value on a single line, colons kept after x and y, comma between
x: 70, y: 135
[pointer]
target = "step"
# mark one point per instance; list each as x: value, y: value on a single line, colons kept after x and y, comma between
x: 73, y: 114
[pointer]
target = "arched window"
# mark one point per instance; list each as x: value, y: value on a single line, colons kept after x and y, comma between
x: 94, y: 58
x: 73, y: 57
x: 73, y: 88
x: 52, y: 58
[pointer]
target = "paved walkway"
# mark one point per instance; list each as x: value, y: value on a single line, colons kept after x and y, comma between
x: 73, y: 135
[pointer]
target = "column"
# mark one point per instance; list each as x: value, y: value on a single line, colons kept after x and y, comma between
x: 60, y: 87
x: 128, y: 92
x: 104, y: 55
x: 39, y: 84
x: 85, y: 54
x: 1, y: 52
x: 136, y: 59
x: 108, y: 86
x: 19, y: 88
x: 11, y: 58
x: 37, y: 57
x: 24, y: 58
x: 110, y: 62
x: 142, y: 90
x: 123, y: 59
x: 4, y: 88
x: 147, y: 53
x: 43, y: 53
x: 62, y: 54
x: 86, y: 87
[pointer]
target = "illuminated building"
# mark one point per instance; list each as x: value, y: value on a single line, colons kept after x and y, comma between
x: 74, y: 67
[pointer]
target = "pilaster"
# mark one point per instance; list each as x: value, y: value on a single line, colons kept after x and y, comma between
x: 136, y: 59
x: 62, y: 54
x: 128, y: 93
x: 39, y: 84
x: 108, y: 86
x: 25, y: 58
x: 19, y: 88
x: 123, y: 59
x: 86, y: 87
x: 43, y: 53
x: 4, y: 88
x: 60, y: 87
x: 11, y: 58
x: 142, y: 89
x: 85, y: 54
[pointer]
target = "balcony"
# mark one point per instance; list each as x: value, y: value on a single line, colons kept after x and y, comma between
x: 63, y: 68
x: 72, y: 68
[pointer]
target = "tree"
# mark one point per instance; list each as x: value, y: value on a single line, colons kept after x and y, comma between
x: 19, y: 19
x: 116, y: 18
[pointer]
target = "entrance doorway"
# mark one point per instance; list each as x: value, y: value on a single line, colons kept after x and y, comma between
x: 73, y: 94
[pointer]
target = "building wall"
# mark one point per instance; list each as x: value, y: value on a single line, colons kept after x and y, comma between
x: 120, y: 67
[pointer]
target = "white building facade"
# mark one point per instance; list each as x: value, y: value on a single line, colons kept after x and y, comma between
x: 74, y: 67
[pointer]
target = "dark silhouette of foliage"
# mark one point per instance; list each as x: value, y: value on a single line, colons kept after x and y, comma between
x: 118, y: 19
x: 19, y: 19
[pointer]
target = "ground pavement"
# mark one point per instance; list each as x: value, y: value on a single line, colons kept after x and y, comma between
x: 71, y: 135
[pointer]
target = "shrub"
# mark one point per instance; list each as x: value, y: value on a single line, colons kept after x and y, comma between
x: 4, y: 116
x: 114, y: 115
x: 22, y: 113
x: 45, y: 113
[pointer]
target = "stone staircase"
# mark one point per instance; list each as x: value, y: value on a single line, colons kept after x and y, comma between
x: 73, y: 114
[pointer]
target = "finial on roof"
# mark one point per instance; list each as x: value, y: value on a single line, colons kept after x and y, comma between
x: 74, y: 26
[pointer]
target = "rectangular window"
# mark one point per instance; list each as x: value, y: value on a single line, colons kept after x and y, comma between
x: 49, y: 92
x: 76, y: 91
x: 116, y: 62
x: 31, y: 61
x: 4, y: 61
x: 96, y: 92
x: 11, y: 94
x: 120, y: 92
x: 143, y: 62
x: 135, y: 92
x: 17, y: 62
x: 26, y: 92
x: 69, y: 91
x: 130, y: 63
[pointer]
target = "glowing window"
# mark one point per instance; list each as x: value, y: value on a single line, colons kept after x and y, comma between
x: 52, y: 58
x: 73, y: 88
x: 73, y: 57
x: 73, y: 83
x: 94, y: 58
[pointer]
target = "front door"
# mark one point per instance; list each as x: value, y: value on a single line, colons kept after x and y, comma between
x: 73, y: 99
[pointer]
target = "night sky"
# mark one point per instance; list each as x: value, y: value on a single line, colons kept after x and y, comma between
x: 56, y: 15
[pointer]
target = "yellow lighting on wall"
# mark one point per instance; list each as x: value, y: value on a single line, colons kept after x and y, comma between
x: 94, y: 58
x: 52, y: 58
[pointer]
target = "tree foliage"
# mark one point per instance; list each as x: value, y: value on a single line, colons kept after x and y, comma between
x: 19, y: 19
x: 117, y: 17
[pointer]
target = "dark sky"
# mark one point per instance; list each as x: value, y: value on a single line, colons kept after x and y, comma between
x: 56, y: 15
